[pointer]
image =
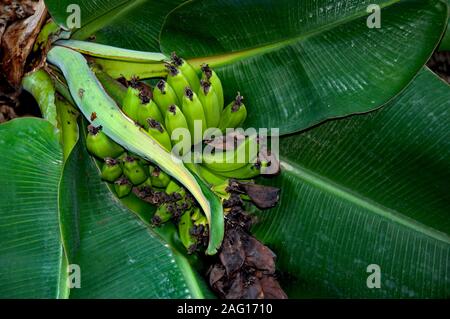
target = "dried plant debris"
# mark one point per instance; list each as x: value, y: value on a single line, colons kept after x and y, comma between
x: 18, y: 39
x: 245, y: 268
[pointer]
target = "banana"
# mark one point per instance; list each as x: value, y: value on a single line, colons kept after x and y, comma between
x: 122, y: 187
x: 157, y: 131
x: 159, y: 178
x: 100, y: 145
x: 221, y: 190
x: 187, y: 70
x: 177, y: 81
x: 172, y: 187
x: 196, y: 214
x: 164, y: 96
x: 163, y: 214
x: 184, y: 229
x: 211, y: 76
x: 111, y: 170
x: 193, y: 111
x: 202, y: 221
x: 208, y: 97
x: 233, y: 115
x: 249, y: 171
x: 174, y: 120
x: 134, y: 171
x: 225, y: 161
x: 131, y: 103
x: 208, y: 176
x: 146, y: 111
x: 146, y: 184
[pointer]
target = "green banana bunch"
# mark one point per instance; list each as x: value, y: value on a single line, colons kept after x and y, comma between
x: 211, y: 106
x: 122, y: 187
x: 100, y: 145
x: 192, y: 109
x: 187, y: 70
x: 99, y: 108
x: 164, y: 96
x: 134, y: 170
x: 211, y: 76
x: 233, y: 115
x: 157, y: 131
x: 111, y: 170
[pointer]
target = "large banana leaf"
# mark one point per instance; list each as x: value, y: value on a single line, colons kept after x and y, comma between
x: 31, y: 253
x: 301, y: 62
x: 370, y: 189
x: 445, y: 43
x: 133, y: 24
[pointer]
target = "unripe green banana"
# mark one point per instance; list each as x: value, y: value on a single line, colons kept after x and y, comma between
x: 187, y: 70
x: 196, y: 214
x: 148, y: 110
x: 211, y: 76
x: 157, y: 131
x: 100, y: 145
x: 172, y: 187
x: 159, y: 178
x: 163, y: 214
x: 175, y: 119
x: 249, y: 171
x: 224, y: 161
x: 193, y: 111
x: 221, y: 190
x: 111, y: 170
x: 146, y: 184
x: 208, y: 176
x: 208, y: 97
x: 184, y: 229
x: 164, y: 96
x: 134, y: 171
x: 233, y: 115
x: 131, y: 103
x: 123, y: 187
x: 177, y: 81
x: 202, y: 221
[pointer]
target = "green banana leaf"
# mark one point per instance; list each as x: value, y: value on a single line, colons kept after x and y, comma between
x: 369, y: 189
x: 445, y: 42
x: 31, y: 254
x: 118, y: 255
x: 130, y: 24
x: 307, y: 61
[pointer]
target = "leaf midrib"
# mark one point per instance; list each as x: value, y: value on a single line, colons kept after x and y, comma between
x: 224, y: 59
x: 346, y: 194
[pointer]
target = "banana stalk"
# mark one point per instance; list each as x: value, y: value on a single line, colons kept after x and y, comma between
x: 90, y: 97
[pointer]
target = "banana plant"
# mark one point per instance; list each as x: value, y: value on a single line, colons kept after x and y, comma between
x: 364, y: 151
